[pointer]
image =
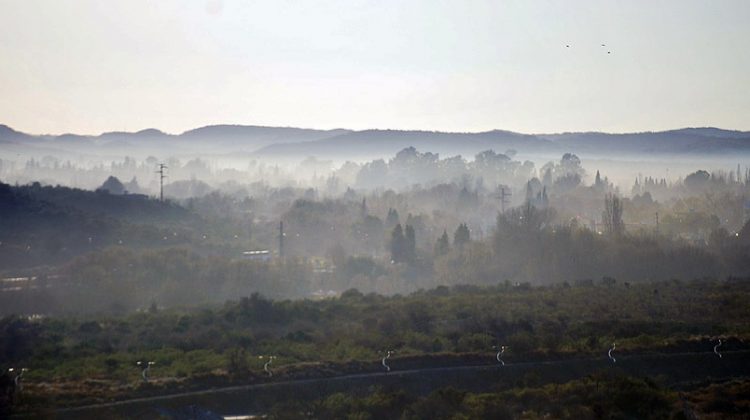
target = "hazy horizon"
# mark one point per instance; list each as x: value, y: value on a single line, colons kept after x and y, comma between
x: 250, y: 124
x: 86, y: 67
x: 419, y: 209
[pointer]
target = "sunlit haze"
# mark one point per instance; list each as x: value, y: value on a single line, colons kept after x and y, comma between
x: 374, y: 209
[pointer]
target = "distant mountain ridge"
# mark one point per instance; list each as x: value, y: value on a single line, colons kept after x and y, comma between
x: 9, y: 135
x: 388, y: 142
x: 276, y: 142
x: 213, y: 139
x: 686, y: 141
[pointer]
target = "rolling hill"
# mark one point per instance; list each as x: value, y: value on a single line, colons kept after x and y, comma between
x: 294, y: 143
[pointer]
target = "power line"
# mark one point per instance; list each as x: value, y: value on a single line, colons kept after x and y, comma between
x: 162, y: 167
x: 503, y: 197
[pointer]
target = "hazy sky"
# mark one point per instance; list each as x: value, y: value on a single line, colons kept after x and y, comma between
x: 94, y: 66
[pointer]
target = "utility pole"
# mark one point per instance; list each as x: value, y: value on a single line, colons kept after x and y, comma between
x: 503, y: 196
x: 162, y: 167
x: 657, y: 222
x: 281, y: 239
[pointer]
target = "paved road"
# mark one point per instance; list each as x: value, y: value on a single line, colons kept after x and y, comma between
x: 678, y: 366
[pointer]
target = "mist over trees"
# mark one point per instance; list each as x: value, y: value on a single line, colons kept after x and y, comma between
x: 442, y: 257
x: 412, y: 220
x: 282, y: 272
x: 449, y: 222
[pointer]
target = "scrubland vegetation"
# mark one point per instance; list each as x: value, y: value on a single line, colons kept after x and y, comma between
x: 441, y: 272
x: 593, y: 397
x: 348, y: 334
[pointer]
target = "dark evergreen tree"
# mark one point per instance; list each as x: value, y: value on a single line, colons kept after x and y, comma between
x: 462, y: 236
x: 410, y: 244
x: 598, y: 180
x: 113, y: 186
x: 392, y: 219
x: 442, y: 246
x: 397, y: 244
x: 132, y: 187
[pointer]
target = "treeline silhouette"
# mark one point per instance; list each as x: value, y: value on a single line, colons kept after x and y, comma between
x: 527, y: 246
x: 43, y: 225
x: 98, y: 258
